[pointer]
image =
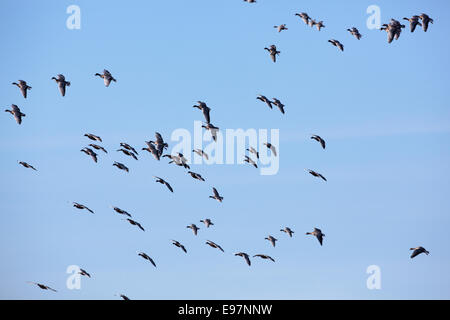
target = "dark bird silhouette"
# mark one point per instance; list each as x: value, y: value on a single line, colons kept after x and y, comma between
x: 15, y: 111
x: 153, y: 150
x: 273, y: 52
x: 23, y: 86
x: 128, y: 153
x: 288, y: 231
x: 26, y: 165
x: 264, y: 99
x: 355, y: 32
x: 81, y: 207
x: 271, y: 147
x: 320, y: 25
x: 319, y: 139
x: 93, y: 137
x: 107, y: 77
x: 179, y: 245
x: 418, y: 251
x: 121, y: 166
x: 128, y: 147
x: 250, y: 161
x: 214, y: 245
x: 62, y: 83
x: 213, y: 129
x: 159, y: 143
x: 145, y: 256
x: 318, y: 175
x: 207, y: 222
x: 318, y: 234
x: 42, y: 286
x: 120, y: 211
x: 97, y: 147
x: 253, y: 150
x: 304, y: 16
x: 425, y: 21
x: 205, y: 109
x: 135, y: 223
x: 281, y: 27
x: 90, y: 153
x: 278, y: 104
x: 272, y: 240
x: 196, y: 176
x: 124, y: 297
x: 162, y: 181
x: 413, y: 22
x: 194, y: 228
x: 245, y: 256
x: 216, y: 195
x: 84, y: 273
x: 263, y: 256
x: 337, y: 44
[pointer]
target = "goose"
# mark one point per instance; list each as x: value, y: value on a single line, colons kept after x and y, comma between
x: 337, y: 44
x: 250, y: 161
x: 160, y: 144
x: 288, y: 231
x: 194, y: 228
x: 245, y: 256
x: 128, y: 147
x: 250, y: 1
x: 42, y: 286
x: 264, y: 99
x: 90, y: 153
x: 281, y: 27
x: 97, y: 147
x: 320, y: 25
x: 81, y: 207
x: 413, y: 22
x: 425, y: 21
x: 397, y: 28
x: 26, y: 165
x: 120, y: 211
x: 214, y: 245
x: 135, y: 223
x: 253, y: 150
x: 23, y: 86
x: 201, y: 153
x: 418, y: 251
x: 179, y: 245
x: 162, y: 181
x: 84, y: 273
x: 354, y: 32
x: 263, y: 256
x: 216, y: 195
x: 62, y: 83
x: 273, y: 52
x: 15, y: 111
x: 124, y: 297
x: 146, y: 257
x: 278, y: 104
x: 196, y: 176
x: 93, y: 137
x: 107, y: 77
x: 315, y: 174
x: 272, y: 240
x: 152, y: 149
x: 318, y: 234
x: 390, y: 32
x: 304, y: 16
x: 312, y: 23
x: 177, y: 160
x: 205, y: 110
x: 271, y: 147
x: 207, y: 222
x: 121, y: 166
x: 128, y: 153
x: 213, y: 130
x: 319, y: 139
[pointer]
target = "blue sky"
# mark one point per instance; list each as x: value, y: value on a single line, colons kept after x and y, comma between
x: 382, y: 108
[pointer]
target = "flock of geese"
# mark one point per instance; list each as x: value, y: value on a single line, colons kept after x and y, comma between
x: 156, y: 148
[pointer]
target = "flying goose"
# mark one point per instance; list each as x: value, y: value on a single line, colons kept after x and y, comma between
x: 162, y: 181
x: 121, y: 166
x: 107, y: 77
x: 312, y: 23
x: 213, y: 129
x: 271, y: 147
x: 278, y: 104
x: 205, y: 109
x: 128, y: 153
x: 178, y: 160
x: 201, y: 153
x: 160, y: 144
x: 273, y: 52
x: 320, y: 25
x: 146, y: 257
x: 418, y: 251
x: 22, y: 85
x: 263, y: 256
x: 288, y: 231
x: 84, y: 273
x: 425, y: 21
x: 337, y: 44
x: 250, y: 1
x: 207, y: 222
x: 281, y: 27
x: 304, y: 16
x: 62, y: 83
x: 413, y: 22
x: 42, y: 286
x: 319, y: 139
x: 179, y: 245
x: 124, y: 297
x: 397, y: 27
x: 128, y: 147
x: 90, y: 153
x: 253, y: 150
x: 354, y: 32
x: 93, y: 137
x: 216, y: 195
x: 264, y: 99
x: 81, y: 207
x: 272, y: 240
x: 97, y: 147
x: 318, y: 234
x: 194, y: 228
x: 250, y: 161
x: 196, y: 176
x: 245, y: 256
x: 120, y: 211
x: 15, y: 111
x: 152, y: 149
x: 135, y: 223
x: 315, y: 174
x: 214, y: 245
x: 26, y: 165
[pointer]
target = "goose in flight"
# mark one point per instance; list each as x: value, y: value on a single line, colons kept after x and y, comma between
x: 320, y: 25
x: 162, y: 181
x: 179, y: 160
x: 273, y: 52
x: 319, y: 139
x: 264, y: 99
x: 213, y: 129
x: 263, y: 256
x: 93, y: 137
x: 15, y: 111
x: 194, y: 228
x: 281, y: 27
x: 253, y: 150
x: 245, y: 256
x: 84, y: 273
x: 272, y: 240
x: 42, y: 286
x: 120, y: 211
x: 26, y: 165
x: 146, y: 257
x: 124, y: 297
x: 354, y: 32
x: 205, y: 110
x: 160, y: 144
x: 152, y: 149
x: 337, y: 44
x: 250, y: 1
x: 271, y: 147
x: 250, y: 161
x: 207, y: 222
x: 418, y: 251
x: 128, y: 147
x: 81, y: 207
x: 196, y: 176
x: 97, y: 147
x: 135, y: 223
x: 201, y: 153
x: 288, y: 231
x: 318, y: 234
x: 304, y: 16
x: 278, y: 104
x: 312, y: 23
x: 62, y: 83
x: 413, y: 22
x: 425, y: 21
x: 121, y: 166
x: 214, y: 245
x: 318, y: 175
x: 216, y: 195
x: 23, y: 86
x: 106, y: 76
x: 90, y: 153
x: 179, y: 245
x: 128, y: 153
